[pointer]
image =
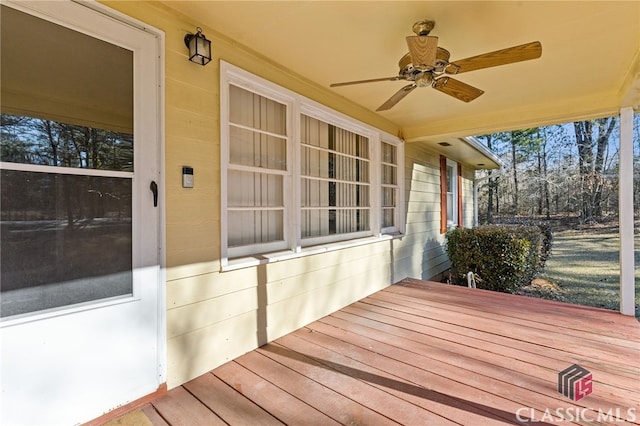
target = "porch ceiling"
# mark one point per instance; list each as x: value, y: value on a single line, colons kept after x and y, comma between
x: 590, y: 64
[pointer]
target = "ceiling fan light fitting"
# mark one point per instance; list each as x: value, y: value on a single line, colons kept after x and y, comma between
x: 424, y: 79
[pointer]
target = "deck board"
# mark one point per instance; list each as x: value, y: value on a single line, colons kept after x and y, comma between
x: 424, y: 353
x: 230, y: 405
x: 283, y: 406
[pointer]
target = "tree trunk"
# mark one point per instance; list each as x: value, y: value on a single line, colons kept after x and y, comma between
x: 515, y: 175
x: 584, y: 140
x: 605, y: 128
x: 490, y: 186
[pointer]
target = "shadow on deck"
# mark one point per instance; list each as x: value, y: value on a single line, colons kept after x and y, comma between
x: 424, y: 353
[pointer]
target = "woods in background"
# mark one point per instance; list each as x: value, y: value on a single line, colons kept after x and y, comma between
x: 567, y: 169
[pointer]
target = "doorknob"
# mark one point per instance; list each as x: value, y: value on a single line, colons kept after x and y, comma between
x: 154, y: 188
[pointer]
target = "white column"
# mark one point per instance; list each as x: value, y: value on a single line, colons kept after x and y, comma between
x: 627, y: 267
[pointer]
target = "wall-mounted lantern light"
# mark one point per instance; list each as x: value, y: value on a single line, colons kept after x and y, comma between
x: 199, y: 47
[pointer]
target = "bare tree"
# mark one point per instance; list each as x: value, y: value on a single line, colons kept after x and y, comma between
x: 592, y: 140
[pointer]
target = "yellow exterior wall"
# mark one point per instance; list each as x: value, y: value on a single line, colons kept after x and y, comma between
x: 421, y: 253
x: 214, y: 316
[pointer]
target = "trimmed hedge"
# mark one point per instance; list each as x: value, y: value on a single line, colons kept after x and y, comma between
x: 503, y: 257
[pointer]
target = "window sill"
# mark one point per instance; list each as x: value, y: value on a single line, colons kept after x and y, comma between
x: 261, y: 259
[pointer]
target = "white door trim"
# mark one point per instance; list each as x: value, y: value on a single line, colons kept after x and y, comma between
x: 94, y: 24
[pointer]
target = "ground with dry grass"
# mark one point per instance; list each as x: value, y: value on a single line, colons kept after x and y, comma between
x: 584, y: 266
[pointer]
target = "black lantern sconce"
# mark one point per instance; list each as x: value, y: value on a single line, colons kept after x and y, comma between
x: 199, y: 47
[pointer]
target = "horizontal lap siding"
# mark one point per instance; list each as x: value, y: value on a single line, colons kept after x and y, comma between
x: 420, y: 254
x: 212, y: 316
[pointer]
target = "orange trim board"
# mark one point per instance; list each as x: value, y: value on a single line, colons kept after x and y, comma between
x: 124, y: 409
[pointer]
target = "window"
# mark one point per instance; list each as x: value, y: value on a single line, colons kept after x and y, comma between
x: 450, y: 194
x: 389, y: 188
x: 296, y: 174
x: 452, y: 191
x: 256, y: 171
x: 334, y: 182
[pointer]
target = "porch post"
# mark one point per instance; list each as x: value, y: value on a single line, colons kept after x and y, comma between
x: 625, y: 195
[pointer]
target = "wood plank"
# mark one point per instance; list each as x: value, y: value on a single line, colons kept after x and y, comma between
x: 429, y: 289
x: 329, y: 351
x: 367, y: 397
x: 442, y: 321
x: 580, y: 318
x: 279, y: 403
x: 179, y: 408
x: 522, y: 307
x: 539, y: 373
x: 340, y: 408
x: 432, y: 371
x: 154, y: 417
x: 448, y: 392
x: 227, y: 403
x: 626, y: 356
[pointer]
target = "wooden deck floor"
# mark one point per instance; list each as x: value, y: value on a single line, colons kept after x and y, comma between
x: 422, y: 353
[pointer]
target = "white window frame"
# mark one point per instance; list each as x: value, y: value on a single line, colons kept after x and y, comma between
x: 324, y: 114
x: 398, y: 227
x: 294, y: 245
x: 453, y: 223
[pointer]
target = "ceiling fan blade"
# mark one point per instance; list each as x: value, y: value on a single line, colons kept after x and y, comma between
x: 524, y: 52
x: 423, y: 51
x: 457, y: 89
x: 397, y: 97
x: 373, y: 80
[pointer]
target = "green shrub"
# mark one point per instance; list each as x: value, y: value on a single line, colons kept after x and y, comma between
x: 545, y: 229
x: 503, y: 257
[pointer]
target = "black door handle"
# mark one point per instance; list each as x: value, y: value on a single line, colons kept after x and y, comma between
x: 154, y: 188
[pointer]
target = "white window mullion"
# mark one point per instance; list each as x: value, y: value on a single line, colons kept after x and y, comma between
x: 375, y: 182
x: 294, y: 154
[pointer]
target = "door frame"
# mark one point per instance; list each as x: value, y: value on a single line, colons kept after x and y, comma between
x: 158, y: 56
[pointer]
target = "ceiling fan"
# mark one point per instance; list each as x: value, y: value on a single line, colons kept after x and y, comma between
x: 427, y: 64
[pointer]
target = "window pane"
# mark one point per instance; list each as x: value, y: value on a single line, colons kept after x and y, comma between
x: 388, y: 218
x: 255, y: 149
x: 349, y: 195
x: 388, y: 197
x: 65, y: 239
x: 246, y: 189
x: 257, y: 112
x: 315, y: 162
x: 388, y: 153
x: 389, y: 174
x: 450, y: 176
x: 450, y: 207
x: 51, y: 143
x: 352, y: 221
x: 314, y: 132
x: 253, y: 227
x: 315, y: 193
x: 315, y: 223
x: 325, y: 222
x: 335, y: 173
